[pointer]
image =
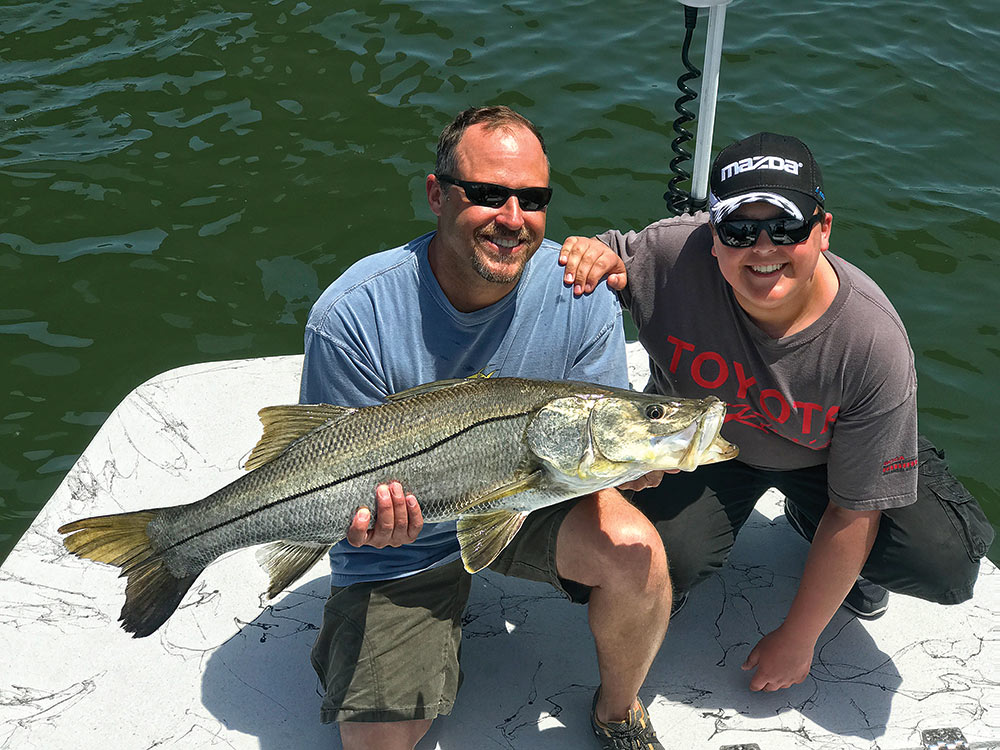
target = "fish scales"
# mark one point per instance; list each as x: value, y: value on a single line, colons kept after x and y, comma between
x: 457, y: 444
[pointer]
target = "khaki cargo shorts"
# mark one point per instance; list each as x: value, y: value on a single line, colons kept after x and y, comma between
x: 389, y: 650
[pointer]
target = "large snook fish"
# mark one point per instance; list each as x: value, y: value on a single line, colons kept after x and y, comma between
x: 484, y: 451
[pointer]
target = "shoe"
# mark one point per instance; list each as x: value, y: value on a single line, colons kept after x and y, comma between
x: 866, y: 599
x: 635, y: 733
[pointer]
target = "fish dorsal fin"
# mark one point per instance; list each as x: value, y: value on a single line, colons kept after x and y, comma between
x: 283, y: 425
x: 483, y: 536
x: 437, y: 385
x: 286, y: 562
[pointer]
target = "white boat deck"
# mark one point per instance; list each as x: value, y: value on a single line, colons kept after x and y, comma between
x: 230, y: 671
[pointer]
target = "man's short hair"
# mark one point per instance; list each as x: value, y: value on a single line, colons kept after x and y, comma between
x: 495, y: 118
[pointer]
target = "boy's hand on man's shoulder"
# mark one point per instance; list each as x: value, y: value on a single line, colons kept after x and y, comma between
x: 587, y: 261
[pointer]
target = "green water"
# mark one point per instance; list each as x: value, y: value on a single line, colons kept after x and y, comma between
x: 178, y: 181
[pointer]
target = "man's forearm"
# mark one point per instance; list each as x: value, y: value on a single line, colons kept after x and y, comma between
x: 839, y: 550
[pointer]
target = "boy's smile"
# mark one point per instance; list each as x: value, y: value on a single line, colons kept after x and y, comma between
x: 783, y: 288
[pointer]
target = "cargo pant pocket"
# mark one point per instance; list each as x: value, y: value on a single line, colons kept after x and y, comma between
x: 965, y: 514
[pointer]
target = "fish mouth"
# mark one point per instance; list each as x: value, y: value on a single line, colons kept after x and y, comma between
x: 707, y: 431
x: 703, y: 442
x: 636, y: 434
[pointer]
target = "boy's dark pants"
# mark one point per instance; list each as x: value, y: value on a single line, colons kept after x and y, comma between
x: 930, y: 549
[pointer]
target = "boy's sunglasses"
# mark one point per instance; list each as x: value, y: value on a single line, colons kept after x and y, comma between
x: 494, y: 196
x: 783, y: 230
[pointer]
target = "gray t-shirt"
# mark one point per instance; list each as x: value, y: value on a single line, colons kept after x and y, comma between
x: 841, y: 392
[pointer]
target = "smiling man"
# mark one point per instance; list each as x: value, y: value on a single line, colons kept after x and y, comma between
x: 474, y: 297
x: 748, y: 303
x: 504, y: 236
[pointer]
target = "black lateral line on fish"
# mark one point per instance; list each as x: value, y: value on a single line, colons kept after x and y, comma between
x: 348, y: 478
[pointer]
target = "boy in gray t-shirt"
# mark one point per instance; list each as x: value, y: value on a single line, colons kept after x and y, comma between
x: 747, y: 303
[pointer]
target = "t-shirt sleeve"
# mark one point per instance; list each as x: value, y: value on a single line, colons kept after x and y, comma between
x: 623, y: 244
x: 333, y: 372
x: 602, y: 359
x: 649, y: 252
x: 872, y: 462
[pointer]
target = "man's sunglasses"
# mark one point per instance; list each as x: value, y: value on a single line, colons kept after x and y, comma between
x: 783, y: 230
x: 494, y: 196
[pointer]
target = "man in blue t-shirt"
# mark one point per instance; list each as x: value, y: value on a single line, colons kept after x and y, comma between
x: 478, y: 296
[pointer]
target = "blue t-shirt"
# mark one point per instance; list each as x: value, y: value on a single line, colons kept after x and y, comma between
x: 385, y: 326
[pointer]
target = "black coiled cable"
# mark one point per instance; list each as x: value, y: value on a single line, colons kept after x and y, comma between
x: 679, y: 201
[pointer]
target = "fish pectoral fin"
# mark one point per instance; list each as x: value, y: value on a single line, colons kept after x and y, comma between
x: 529, y: 482
x: 483, y: 536
x: 283, y: 425
x: 286, y: 562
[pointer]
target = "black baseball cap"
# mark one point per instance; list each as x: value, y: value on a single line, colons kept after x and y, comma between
x: 777, y: 169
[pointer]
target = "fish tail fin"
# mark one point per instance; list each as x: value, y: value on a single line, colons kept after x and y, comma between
x: 152, y: 592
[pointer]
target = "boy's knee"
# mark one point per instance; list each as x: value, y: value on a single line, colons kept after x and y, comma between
x: 951, y: 583
x: 692, y: 557
x: 943, y: 575
x: 935, y: 545
x: 686, y: 572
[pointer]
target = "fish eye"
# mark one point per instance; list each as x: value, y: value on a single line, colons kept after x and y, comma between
x: 655, y: 411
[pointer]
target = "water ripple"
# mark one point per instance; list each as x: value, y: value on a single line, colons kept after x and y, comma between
x: 179, y: 181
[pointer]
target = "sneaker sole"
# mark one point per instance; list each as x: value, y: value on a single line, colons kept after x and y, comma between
x: 868, y: 615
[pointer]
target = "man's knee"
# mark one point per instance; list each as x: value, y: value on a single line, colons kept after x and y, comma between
x: 634, y: 548
x: 629, y: 545
x: 394, y: 735
x: 605, y: 539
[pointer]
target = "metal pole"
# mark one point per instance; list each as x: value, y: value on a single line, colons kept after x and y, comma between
x: 709, y: 95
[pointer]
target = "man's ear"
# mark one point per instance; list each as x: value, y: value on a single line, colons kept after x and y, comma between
x: 435, y: 194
